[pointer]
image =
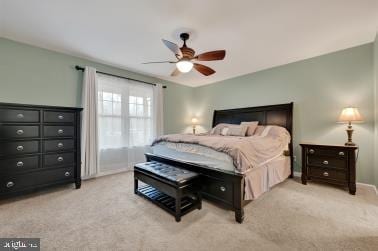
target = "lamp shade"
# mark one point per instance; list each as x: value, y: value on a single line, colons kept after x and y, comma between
x: 194, y: 121
x: 350, y: 114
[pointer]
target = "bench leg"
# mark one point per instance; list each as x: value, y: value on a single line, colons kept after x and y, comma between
x: 199, y: 198
x: 178, y: 206
x: 178, y: 209
x: 135, y: 186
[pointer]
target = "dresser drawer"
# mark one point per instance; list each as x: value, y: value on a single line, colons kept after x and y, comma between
x: 20, y: 182
x: 58, y: 131
x: 58, y: 145
x: 217, y: 188
x: 20, y: 164
x: 58, y: 117
x: 328, y: 174
x: 18, y: 131
x: 327, y: 161
x: 56, y: 160
x: 19, y: 147
x: 19, y: 115
x: 318, y: 151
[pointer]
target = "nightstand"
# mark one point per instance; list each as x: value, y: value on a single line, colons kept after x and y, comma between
x: 334, y: 164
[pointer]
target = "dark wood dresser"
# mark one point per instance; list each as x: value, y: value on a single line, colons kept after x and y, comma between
x: 334, y: 164
x: 39, y: 147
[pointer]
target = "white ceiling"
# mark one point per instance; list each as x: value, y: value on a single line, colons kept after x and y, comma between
x: 257, y: 34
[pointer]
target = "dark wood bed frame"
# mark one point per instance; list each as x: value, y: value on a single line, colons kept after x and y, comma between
x: 226, y: 188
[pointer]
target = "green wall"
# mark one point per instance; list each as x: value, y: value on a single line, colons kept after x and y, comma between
x: 319, y: 87
x: 32, y: 75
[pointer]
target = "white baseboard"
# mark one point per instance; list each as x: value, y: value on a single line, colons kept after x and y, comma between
x: 370, y: 186
x: 297, y: 174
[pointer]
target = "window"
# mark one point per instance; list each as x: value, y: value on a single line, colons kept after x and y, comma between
x: 125, y: 113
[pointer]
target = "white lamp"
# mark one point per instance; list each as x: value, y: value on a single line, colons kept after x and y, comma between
x: 184, y: 65
x: 349, y: 115
x: 194, y: 123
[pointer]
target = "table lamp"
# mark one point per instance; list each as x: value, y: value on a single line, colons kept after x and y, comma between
x: 349, y: 115
x: 194, y: 123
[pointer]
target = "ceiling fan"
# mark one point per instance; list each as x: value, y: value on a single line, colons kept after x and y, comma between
x: 185, y: 57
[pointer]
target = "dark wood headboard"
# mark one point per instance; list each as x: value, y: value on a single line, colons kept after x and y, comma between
x: 281, y: 115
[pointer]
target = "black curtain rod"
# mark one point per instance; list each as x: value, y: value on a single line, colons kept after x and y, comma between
x: 80, y: 68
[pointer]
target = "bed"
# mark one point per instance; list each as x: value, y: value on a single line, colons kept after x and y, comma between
x: 221, y: 183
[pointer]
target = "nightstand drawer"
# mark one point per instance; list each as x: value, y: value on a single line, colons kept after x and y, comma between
x: 326, y: 161
x: 58, y: 117
x: 58, y: 131
x: 328, y: 174
x: 316, y: 151
x: 17, y: 131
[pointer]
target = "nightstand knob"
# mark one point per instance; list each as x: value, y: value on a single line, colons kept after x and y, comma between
x: 60, y: 117
x: 312, y: 151
x: 10, y: 184
x: 20, y: 132
x: 223, y: 189
x: 60, y: 131
x: 341, y: 153
x: 20, y: 164
x: 60, y: 159
x: 20, y: 116
x: 67, y: 174
x: 325, y: 174
x: 325, y: 162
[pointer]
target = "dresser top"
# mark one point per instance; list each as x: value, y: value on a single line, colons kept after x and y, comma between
x: 329, y: 145
x: 10, y: 105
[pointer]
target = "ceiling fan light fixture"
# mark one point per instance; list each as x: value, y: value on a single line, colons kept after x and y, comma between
x: 184, y: 66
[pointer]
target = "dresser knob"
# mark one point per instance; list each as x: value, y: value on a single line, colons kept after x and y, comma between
x: 20, y: 148
x: 20, y: 116
x: 341, y: 153
x: 60, y: 159
x: 60, y: 131
x: 10, y: 184
x: 325, y: 162
x: 223, y: 189
x: 312, y: 151
x: 20, y: 164
x: 325, y: 174
x: 20, y: 132
x: 67, y: 174
x: 60, y: 117
x: 60, y: 145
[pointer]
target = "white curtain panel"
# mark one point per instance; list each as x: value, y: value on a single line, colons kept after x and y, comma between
x: 158, y: 108
x: 89, y: 137
x: 130, y: 117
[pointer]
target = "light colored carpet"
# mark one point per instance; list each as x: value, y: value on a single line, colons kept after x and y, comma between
x: 105, y: 215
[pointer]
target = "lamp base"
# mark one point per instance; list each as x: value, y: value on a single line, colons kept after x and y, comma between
x: 349, y: 131
x: 350, y: 144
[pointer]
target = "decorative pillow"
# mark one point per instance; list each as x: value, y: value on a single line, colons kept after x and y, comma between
x: 259, y: 130
x: 218, y: 129
x: 252, y: 126
x: 224, y: 131
x: 234, y: 130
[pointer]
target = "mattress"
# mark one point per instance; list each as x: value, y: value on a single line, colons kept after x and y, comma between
x: 196, y: 154
x: 257, y: 179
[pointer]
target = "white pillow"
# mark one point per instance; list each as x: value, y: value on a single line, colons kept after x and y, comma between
x: 234, y: 130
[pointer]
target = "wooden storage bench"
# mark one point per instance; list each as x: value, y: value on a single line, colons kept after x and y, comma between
x: 173, y: 189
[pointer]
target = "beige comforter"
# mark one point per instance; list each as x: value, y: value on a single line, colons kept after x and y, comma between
x: 246, y: 152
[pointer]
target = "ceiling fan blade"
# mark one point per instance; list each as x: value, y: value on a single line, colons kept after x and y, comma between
x: 211, y: 55
x: 159, y: 62
x: 175, y: 72
x: 173, y: 47
x: 203, y: 69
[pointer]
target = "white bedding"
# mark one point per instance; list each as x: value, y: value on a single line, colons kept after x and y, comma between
x: 257, y: 180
